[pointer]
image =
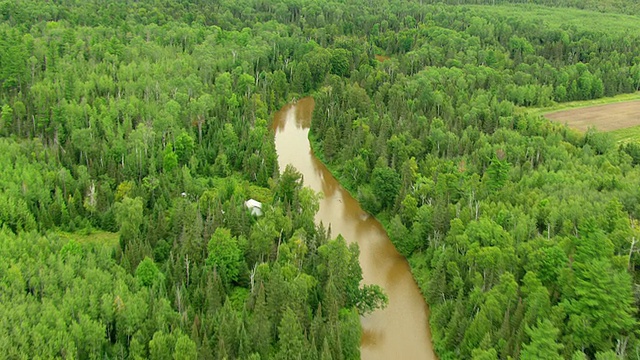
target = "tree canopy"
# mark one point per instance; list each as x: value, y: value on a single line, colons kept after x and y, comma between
x: 132, y: 133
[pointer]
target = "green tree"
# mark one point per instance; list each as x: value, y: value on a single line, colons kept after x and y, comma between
x: 291, y: 341
x: 480, y: 354
x: 129, y: 215
x: 330, y: 144
x: 498, y: 173
x: 224, y: 256
x: 161, y: 347
x: 288, y: 186
x: 543, y: 344
x: 6, y: 117
x: 147, y: 272
x: 184, y: 146
x: 386, y: 185
x: 169, y: 159
x: 185, y: 349
x: 301, y: 78
x: 340, y: 62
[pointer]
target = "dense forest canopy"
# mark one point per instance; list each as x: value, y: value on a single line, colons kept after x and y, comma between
x: 150, y: 119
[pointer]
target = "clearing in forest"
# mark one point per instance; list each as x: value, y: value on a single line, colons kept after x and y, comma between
x: 606, y: 117
x: 555, y: 18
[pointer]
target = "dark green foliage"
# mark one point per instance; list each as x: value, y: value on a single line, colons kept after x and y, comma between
x: 340, y: 62
x: 386, y: 185
x: 291, y: 340
x: 330, y: 144
x: 289, y: 185
x: 633, y: 149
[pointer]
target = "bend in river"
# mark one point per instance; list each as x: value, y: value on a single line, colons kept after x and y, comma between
x: 401, y: 331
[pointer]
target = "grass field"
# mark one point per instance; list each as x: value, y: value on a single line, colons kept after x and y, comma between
x: 95, y: 237
x: 565, y: 17
x: 627, y: 135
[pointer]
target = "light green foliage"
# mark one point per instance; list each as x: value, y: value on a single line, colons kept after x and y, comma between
x: 350, y: 334
x: 224, y: 255
x: 543, y: 343
x: 84, y: 281
x: 15, y: 214
x: 185, y: 349
x: 129, y: 216
x: 161, y: 346
x: 147, y: 272
x: 6, y: 115
x: 170, y: 159
x: 480, y: 354
x: 184, y: 147
x: 579, y: 355
x: 607, y: 355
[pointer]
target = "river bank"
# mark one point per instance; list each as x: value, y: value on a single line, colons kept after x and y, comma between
x: 402, y: 328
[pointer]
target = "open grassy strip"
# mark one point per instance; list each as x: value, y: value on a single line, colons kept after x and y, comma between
x: 108, y: 239
x: 583, y: 103
x: 553, y: 17
x: 626, y: 135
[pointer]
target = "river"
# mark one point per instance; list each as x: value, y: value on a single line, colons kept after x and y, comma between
x: 401, y: 330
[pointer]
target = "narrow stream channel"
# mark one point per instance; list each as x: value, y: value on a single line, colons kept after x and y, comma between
x: 400, y: 331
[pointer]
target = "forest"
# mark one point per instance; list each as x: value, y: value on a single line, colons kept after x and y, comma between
x: 132, y: 133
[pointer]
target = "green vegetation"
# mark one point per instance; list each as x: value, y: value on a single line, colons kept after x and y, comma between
x: 566, y: 18
x: 520, y: 232
x: 89, y: 236
x: 133, y: 132
x: 605, y: 6
x: 627, y: 135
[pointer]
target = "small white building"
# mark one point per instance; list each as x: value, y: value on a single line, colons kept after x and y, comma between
x: 255, y: 207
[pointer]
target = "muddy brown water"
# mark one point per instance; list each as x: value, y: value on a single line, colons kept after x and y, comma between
x: 401, y: 330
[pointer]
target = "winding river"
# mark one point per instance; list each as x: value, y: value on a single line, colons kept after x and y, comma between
x: 401, y: 330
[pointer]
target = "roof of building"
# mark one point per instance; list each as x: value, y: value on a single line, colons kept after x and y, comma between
x: 251, y: 203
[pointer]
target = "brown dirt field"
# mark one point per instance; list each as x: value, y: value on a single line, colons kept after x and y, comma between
x: 607, y: 117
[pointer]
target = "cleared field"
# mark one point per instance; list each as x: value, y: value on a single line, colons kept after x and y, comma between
x: 607, y: 117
